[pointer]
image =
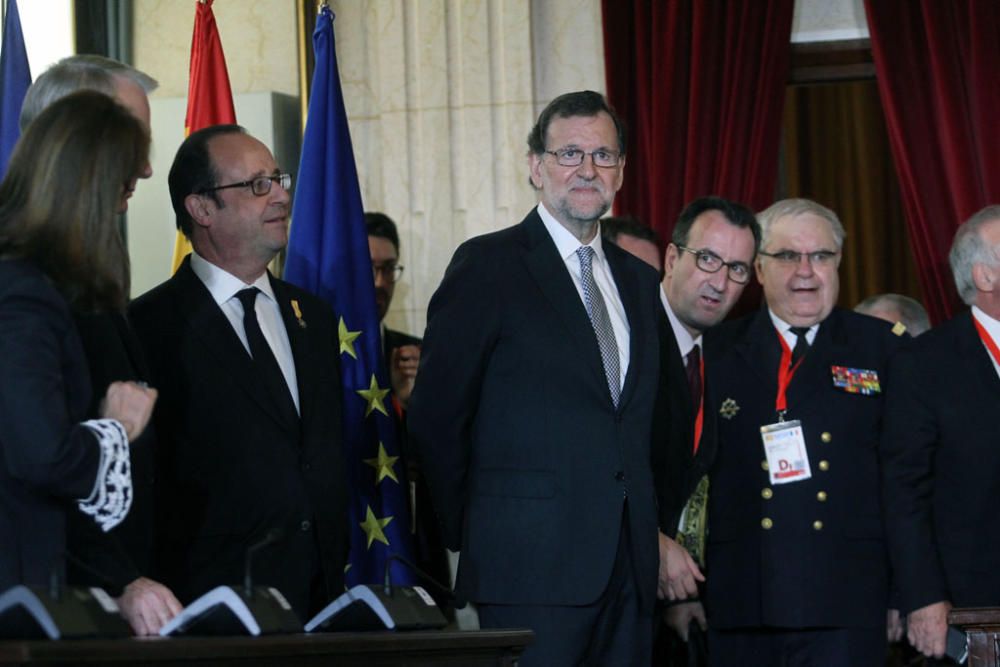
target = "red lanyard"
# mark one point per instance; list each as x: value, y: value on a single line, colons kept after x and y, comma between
x: 700, y: 419
x: 784, y: 375
x: 987, y: 340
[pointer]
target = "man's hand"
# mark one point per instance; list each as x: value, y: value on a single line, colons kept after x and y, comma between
x: 928, y: 628
x: 679, y: 573
x: 403, y: 371
x: 893, y: 625
x: 678, y: 617
x: 147, y: 606
x: 131, y: 403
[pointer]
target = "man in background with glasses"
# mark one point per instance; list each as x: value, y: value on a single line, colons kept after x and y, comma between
x: 706, y: 266
x: 247, y: 367
x: 795, y: 550
x: 533, y: 406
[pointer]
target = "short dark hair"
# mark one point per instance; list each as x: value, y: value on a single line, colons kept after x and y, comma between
x: 581, y: 103
x: 193, y: 171
x: 612, y: 227
x: 380, y: 225
x: 737, y: 214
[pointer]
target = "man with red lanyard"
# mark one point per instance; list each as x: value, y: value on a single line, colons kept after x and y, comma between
x: 941, y: 449
x: 707, y: 264
x: 795, y: 540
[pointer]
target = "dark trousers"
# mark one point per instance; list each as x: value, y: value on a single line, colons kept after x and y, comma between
x: 614, y: 630
x: 781, y: 647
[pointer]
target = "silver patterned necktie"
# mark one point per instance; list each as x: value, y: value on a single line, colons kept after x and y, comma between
x: 598, y: 314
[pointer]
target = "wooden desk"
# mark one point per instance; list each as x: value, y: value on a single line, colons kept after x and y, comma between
x: 982, y: 626
x: 493, y: 648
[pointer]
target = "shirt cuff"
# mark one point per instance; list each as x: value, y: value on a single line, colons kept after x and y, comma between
x: 111, y: 498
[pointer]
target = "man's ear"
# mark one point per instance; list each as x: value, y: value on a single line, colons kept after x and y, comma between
x: 198, y: 208
x: 984, y: 277
x: 535, y: 167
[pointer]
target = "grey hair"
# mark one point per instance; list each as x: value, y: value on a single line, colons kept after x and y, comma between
x: 80, y: 72
x: 970, y: 248
x: 911, y: 312
x: 796, y: 207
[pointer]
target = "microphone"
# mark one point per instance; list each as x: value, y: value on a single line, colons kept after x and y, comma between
x: 387, y: 580
x: 272, y: 536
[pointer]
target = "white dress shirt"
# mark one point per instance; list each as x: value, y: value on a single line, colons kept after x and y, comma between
x: 685, y: 341
x: 785, y: 329
x: 567, y: 245
x: 223, y: 286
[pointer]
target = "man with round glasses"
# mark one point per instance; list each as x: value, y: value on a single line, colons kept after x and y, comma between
x: 795, y: 543
x: 706, y: 266
x: 247, y: 367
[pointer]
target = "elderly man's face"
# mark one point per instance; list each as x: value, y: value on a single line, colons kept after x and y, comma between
x: 801, y: 292
x: 578, y: 195
x: 700, y: 299
x: 248, y: 229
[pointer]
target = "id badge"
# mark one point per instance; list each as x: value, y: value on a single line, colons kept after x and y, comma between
x: 785, y: 447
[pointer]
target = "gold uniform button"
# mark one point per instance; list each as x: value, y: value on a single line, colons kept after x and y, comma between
x: 825, y: 436
x: 763, y: 465
x: 821, y: 496
x: 766, y: 523
x: 766, y: 493
x: 824, y: 465
x: 817, y: 525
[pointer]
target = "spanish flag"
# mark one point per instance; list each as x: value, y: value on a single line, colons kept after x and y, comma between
x: 210, y: 99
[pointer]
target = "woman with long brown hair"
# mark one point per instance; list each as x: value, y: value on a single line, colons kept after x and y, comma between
x: 61, y: 252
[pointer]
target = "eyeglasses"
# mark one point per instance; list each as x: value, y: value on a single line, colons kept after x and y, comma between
x: 709, y: 262
x: 793, y: 257
x: 573, y: 157
x: 260, y: 186
x: 389, y: 272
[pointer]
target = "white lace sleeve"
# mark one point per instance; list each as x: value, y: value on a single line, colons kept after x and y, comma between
x: 111, y: 498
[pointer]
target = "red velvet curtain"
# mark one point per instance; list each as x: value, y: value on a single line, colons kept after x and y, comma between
x: 701, y: 84
x: 938, y: 67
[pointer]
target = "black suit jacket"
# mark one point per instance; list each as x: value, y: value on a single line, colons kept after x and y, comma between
x: 120, y: 556
x: 527, y: 459
x: 822, y: 561
x: 230, y: 468
x: 677, y: 469
x: 47, y: 459
x: 942, y: 470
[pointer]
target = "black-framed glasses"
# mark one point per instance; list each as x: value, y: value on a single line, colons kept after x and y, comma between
x: 260, y: 185
x: 390, y: 272
x: 709, y: 262
x: 793, y: 257
x: 573, y: 157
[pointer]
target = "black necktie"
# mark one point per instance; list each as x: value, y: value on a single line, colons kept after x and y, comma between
x: 693, y: 360
x: 263, y: 357
x: 801, y: 343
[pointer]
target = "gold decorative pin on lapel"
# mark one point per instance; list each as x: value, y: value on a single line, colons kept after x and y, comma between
x: 298, y: 313
x: 729, y: 408
x: 899, y: 328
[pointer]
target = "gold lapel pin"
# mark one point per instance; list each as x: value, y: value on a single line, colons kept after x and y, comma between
x: 298, y: 313
x: 729, y: 408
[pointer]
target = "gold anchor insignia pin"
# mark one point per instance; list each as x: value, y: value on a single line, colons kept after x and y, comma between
x: 729, y: 408
x: 298, y: 313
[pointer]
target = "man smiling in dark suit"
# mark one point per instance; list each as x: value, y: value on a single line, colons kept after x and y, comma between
x: 533, y: 405
x: 247, y: 366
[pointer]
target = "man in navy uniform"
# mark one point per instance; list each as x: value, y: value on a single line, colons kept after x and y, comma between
x: 940, y: 449
x: 795, y: 547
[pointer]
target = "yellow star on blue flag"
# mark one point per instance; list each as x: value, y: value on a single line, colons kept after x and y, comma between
x: 373, y: 526
x: 347, y: 339
x: 374, y: 395
x: 383, y: 464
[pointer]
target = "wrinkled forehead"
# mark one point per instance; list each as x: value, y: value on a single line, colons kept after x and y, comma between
x: 240, y: 156
x: 804, y: 232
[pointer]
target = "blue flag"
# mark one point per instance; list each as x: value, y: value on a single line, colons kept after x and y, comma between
x: 328, y: 256
x: 15, y: 77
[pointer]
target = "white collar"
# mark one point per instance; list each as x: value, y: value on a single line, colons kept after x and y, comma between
x: 566, y: 243
x: 685, y: 341
x: 223, y: 285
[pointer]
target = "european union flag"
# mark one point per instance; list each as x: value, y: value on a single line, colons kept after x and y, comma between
x: 328, y: 255
x: 15, y: 77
